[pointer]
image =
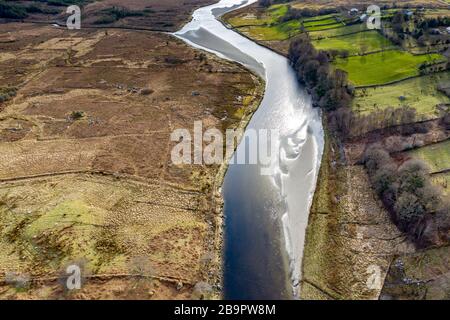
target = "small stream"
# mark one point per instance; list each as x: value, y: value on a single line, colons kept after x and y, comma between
x: 265, y: 215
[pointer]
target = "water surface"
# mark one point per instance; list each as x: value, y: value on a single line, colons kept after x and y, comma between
x: 265, y: 215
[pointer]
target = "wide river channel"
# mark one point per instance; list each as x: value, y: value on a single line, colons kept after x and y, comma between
x: 266, y: 204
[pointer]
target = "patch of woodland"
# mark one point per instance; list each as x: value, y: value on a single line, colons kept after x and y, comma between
x: 428, y: 31
x: 402, y: 121
x: 297, y: 14
x: 268, y: 3
x: 329, y: 87
x: 115, y: 13
x: 414, y: 203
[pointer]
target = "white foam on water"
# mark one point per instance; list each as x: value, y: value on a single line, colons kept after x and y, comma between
x: 285, y: 107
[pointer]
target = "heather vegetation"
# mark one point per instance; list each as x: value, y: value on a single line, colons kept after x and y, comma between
x: 7, y: 93
x: 21, y: 10
x: 111, y: 15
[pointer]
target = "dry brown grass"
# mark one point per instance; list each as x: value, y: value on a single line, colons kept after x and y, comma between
x: 349, y: 231
x: 167, y: 15
x: 56, y: 207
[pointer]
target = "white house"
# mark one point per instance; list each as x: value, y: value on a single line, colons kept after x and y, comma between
x: 353, y: 11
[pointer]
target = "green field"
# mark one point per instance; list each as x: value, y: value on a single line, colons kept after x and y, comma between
x: 358, y: 43
x: 419, y: 93
x: 321, y: 22
x: 434, y: 13
x: 278, y: 32
x: 316, y: 35
x: 267, y: 26
x: 437, y: 156
x: 442, y: 181
x: 321, y: 18
x: 248, y: 20
x: 319, y: 26
x: 271, y: 16
x: 383, y: 67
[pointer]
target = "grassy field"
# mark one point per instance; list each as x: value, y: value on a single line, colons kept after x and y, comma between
x: 443, y: 181
x: 437, y: 156
x: 319, y: 27
x: 265, y: 27
x: 321, y: 34
x: 271, y: 16
x: 383, y: 67
x: 321, y: 18
x: 434, y: 13
x: 357, y: 43
x: 315, y: 4
x: 319, y: 22
x: 282, y: 31
x: 419, y: 93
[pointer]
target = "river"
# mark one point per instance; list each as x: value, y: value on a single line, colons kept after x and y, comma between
x: 266, y: 215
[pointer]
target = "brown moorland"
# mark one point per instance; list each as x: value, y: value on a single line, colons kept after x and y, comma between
x: 167, y: 15
x: 85, y: 170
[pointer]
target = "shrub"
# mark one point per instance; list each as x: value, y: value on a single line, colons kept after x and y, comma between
x: 37, y: 9
x: 76, y: 115
x: 146, y: 91
x: 384, y: 179
x: 409, y: 210
x: 111, y: 15
x: 375, y: 158
x: 7, y: 93
x: 12, y: 11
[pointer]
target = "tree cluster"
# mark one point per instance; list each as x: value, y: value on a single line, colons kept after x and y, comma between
x: 329, y: 87
x: 414, y: 203
x: 296, y: 14
x: 350, y: 124
x: 423, y: 29
x: 434, y: 23
x: 268, y: 3
x: 7, y: 93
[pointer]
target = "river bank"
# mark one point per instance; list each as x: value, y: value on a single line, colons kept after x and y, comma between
x: 262, y: 260
x: 351, y: 241
x: 217, y: 197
